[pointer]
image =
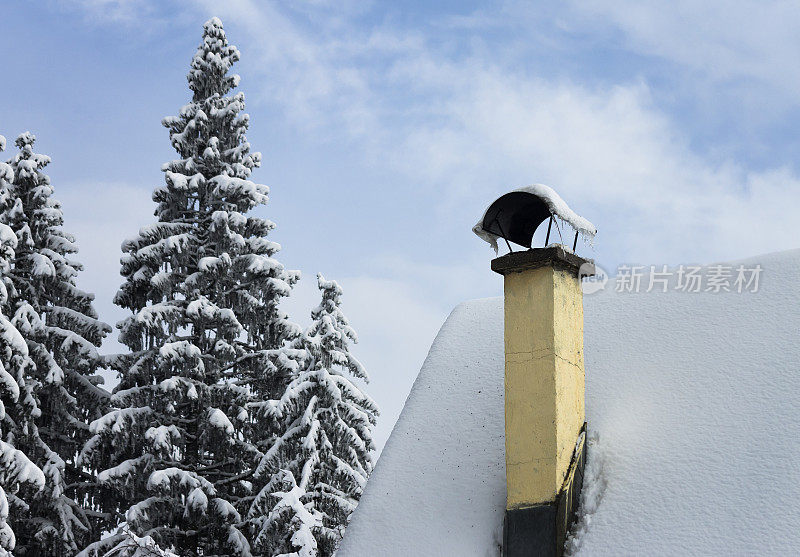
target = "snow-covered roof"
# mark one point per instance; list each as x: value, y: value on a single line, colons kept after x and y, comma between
x: 692, y: 404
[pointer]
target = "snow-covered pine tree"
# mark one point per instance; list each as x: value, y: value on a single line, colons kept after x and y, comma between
x: 17, y: 403
x: 205, y: 333
x: 327, y: 440
x: 286, y: 525
x: 62, y: 332
x: 135, y: 546
x: 126, y: 544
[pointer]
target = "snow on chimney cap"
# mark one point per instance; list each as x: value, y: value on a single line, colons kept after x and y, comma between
x: 516, y: 215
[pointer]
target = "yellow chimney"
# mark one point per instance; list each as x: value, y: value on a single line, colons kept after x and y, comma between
x: 544, y: 396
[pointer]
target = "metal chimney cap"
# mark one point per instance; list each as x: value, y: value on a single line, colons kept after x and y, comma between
x: 516, y: 215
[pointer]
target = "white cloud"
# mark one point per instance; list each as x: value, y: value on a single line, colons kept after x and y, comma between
x: 613, y: 155
x: 294, y: 63
x: 472, y: 124
x: 469, y: 122
x: 722, y: 39
x: 113, y: 11
x: 461, y: 124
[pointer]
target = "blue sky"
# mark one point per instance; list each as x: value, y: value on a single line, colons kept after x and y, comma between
x: 386, y: 128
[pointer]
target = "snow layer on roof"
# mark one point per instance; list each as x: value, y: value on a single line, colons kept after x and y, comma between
x: 558, y: 208
x: 692, y: 399
x: 436, y: 490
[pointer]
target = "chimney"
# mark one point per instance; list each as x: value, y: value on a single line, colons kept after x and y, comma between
x: 544, y: 397
x: 544, y: 372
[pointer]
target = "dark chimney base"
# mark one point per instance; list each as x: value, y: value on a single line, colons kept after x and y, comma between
x: 541, y: 530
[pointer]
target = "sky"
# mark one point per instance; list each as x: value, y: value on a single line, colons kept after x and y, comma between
x: 386, y: 129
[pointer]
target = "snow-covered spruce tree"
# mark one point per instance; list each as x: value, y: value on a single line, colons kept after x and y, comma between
x: 205, y: 333
x: 18, y: 408
x: 132, y: 545
x: 326, y: 444
x: 62, y: 332
x: 287, y: 524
